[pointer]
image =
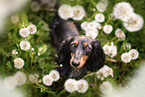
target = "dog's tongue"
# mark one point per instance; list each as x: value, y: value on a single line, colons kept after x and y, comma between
x: 77, y: 74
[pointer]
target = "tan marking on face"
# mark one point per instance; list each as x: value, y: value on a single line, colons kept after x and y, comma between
x: 76, y: 42
x: 82, y: 61
x: 85, y: 44
x: 72, y: 57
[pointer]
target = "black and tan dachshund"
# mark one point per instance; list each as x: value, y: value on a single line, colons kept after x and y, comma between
x: 77, y: 53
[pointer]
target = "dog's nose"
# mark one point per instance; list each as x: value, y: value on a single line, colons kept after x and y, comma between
x: 76, y: 64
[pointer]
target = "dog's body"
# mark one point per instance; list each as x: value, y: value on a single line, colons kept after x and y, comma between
x: 77, y: 53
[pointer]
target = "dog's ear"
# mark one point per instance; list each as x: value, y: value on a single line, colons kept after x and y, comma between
x: 97, y: 57
x: 64, y: 51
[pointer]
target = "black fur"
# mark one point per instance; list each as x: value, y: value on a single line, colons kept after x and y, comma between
x: 63, y: 33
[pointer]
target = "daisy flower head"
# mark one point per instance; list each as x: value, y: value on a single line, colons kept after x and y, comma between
x: 35, y: 6
x: 93, y: 33
x: 100, y: 74
x: 14, y: 19
x: 84, y: 25
x: 32, y: 28
x: 47, y: 80
x: 122, y: 10
x: 33, y: 78
x: 120, y: 34
x: 14, y: 52
x: 20, y: 77
x: 71, y: 85
x: 25, y: 45
x: 55, y: 75
x: 102, y: 5
x: 113, y: 50
x: 134, y: 54
x: 24, y: 32
x: 126, y: 57
x: 18, y: 63
x: 92, y: 25
x: 134, y: 23
x: 10, y: 82
x: 99, y: 17
x: 65, y: 11
x: 82, y: 86
x: 106, y: 87
x: 107, y: 29
x: 107, y: 71
x: 78, y: 12
x: 110, y: 50
x: 127, y: 46
x: 106, y: 49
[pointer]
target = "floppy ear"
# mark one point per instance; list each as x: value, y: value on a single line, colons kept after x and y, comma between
x: 97, y: 57
x: 64, y: 51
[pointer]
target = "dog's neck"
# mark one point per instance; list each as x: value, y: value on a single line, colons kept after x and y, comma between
x: 77, y: 73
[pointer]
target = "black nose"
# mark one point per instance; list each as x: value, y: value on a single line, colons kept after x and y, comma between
x: 76, y: 64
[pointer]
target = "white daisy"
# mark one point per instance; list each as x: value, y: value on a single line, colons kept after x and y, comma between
x: 106, y: 49
x: 107, y: 29
x: 35, y: 6
x: 104, y: 72
x: 14, y: 19
x: 126, y: 57
x: 71, y: 85
x: 112, y: 50
x: 106, y: 87
x: 14, y: 52
x: 82, y: 86
x: 20, y: 77
x: 25, y: 45
x: 33, y: 78
x: 134, y: 23
x: 10, y: 82
x: 102, y: 5
x: 107, y: 71
x: 134, y: 54
x: 84, y: 25
x: 55, y: 75
x: 100, y: 75
x: 24, y: 32
x: 94, y: 24
x: 93, y: 33
x: 65, y: 11
x: 120, y: 34
x: 99, y: 17
x: 47, y: 80
x: 18, y: 63
x: 78, y: 12
x: 122, y: 11
x: 127, y: 46
x: 32, y: 28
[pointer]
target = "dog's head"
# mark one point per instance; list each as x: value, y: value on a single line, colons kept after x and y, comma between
x: 80, y: 49
x: 81, y: 52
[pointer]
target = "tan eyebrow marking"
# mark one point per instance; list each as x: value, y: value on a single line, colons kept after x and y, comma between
x: 85, y: 44
x: 76, y: 42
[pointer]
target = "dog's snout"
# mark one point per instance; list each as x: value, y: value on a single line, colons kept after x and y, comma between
x: 76, y: 64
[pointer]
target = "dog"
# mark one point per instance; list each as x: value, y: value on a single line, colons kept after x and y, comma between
x: 77, y: 54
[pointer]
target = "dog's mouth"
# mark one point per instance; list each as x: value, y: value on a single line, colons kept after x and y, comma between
x: 77, y: 62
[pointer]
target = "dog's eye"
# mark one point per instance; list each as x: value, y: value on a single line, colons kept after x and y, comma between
x: 87, y: 48
x: 73, y: 45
